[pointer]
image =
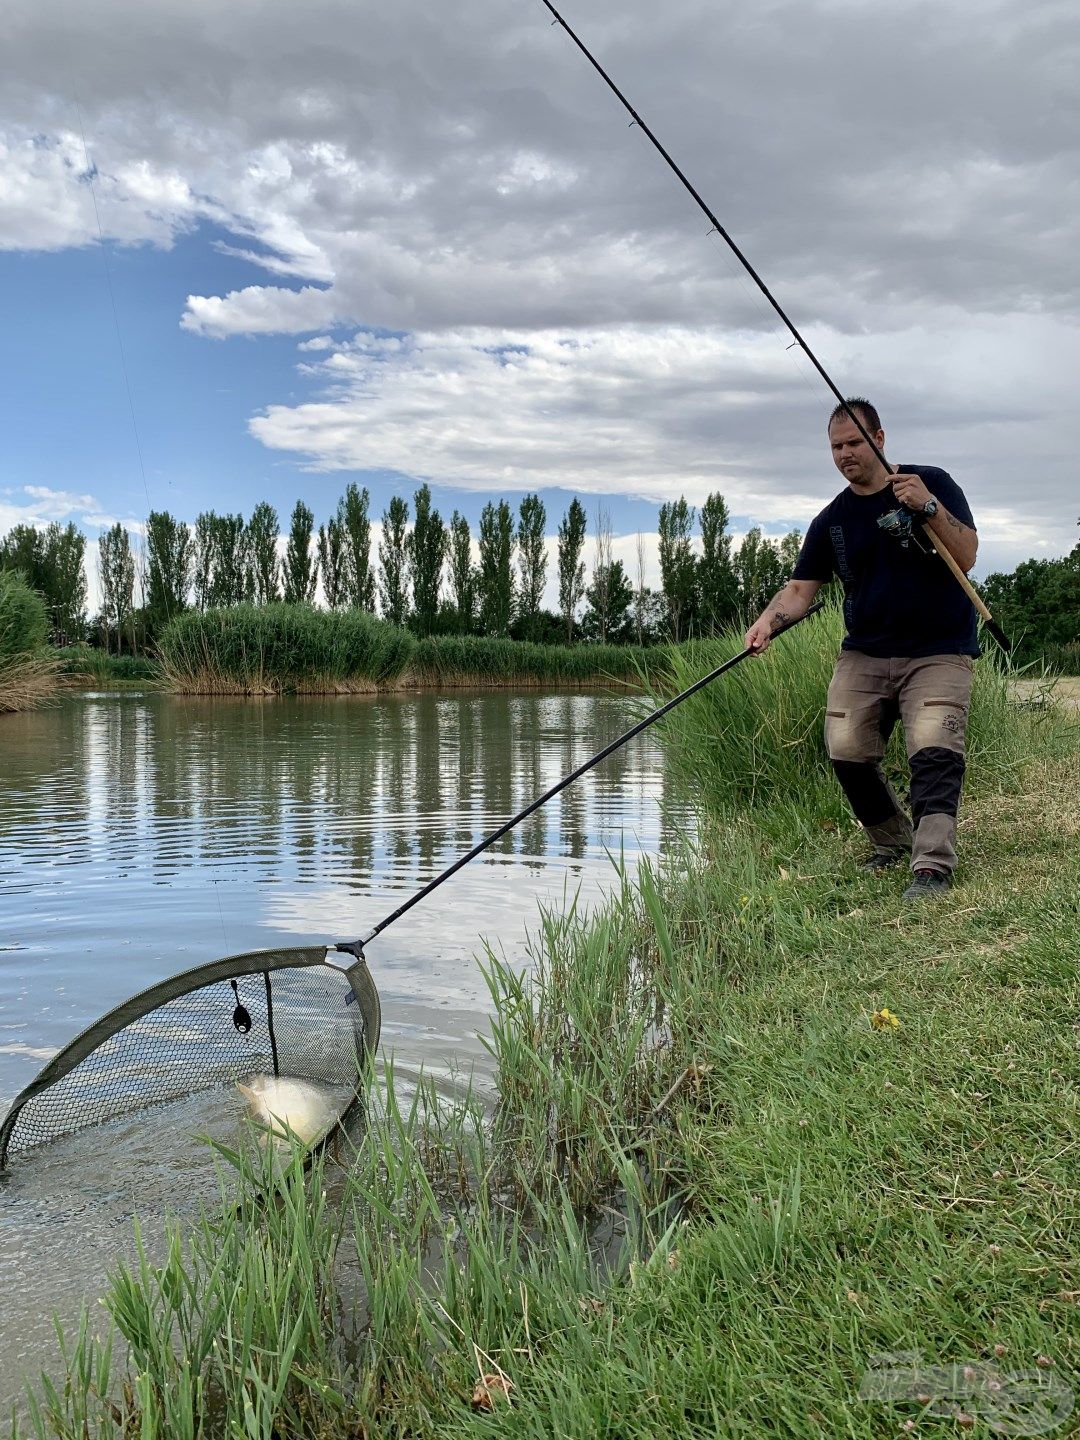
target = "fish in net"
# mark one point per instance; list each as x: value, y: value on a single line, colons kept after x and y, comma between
x: 290, y: 1031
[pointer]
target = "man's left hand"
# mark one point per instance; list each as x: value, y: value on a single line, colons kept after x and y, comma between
x: 910, y: 491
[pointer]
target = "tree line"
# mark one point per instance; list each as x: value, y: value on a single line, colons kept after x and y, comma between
x: 1038, y: 607
x: 427, y: 574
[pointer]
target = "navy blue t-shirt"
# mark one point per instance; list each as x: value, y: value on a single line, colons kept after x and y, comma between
x: 897, y: 601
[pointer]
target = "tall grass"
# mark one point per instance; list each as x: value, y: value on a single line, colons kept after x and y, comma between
x: 27, y: 675
x: 480, y: 660
x: 273, y: 649
x: 755, y: 737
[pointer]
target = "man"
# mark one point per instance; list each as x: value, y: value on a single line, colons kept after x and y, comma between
x: 909, y: 649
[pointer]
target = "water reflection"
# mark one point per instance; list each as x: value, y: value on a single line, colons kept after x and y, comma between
x: 140, y: 836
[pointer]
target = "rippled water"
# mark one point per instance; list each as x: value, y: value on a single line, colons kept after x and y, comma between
x: 140, y: 836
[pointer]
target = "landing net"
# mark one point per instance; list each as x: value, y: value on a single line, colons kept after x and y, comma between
x: 304, y: 1014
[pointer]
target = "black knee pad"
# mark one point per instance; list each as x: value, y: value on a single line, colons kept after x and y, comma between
x: 866, y: 790
x: 937, y: 775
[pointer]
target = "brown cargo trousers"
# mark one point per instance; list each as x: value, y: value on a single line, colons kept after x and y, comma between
x: 931, y: 697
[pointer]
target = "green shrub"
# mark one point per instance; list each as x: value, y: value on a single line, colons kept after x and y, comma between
x: 23, y: 617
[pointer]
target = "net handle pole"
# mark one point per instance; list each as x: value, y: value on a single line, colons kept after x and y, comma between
x: 357, y: 946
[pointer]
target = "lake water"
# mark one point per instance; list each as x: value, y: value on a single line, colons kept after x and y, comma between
x: 143, y: 835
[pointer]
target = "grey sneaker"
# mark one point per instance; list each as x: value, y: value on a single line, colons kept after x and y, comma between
x: 884, y: 860
x: 927, y: 884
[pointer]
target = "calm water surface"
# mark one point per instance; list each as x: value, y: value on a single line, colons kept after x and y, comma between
x: 140, y: 836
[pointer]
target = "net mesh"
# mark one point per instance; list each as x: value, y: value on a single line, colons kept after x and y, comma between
x: 284, y: 1012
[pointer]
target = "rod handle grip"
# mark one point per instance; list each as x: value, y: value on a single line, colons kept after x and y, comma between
x: 961, y: 579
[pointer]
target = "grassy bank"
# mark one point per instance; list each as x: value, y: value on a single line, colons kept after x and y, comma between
x: 27, y: 674
x: 281, y: 649
x: 794, y: 1189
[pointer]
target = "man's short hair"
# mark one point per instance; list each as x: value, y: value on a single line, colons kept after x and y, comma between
x: 862, y: 407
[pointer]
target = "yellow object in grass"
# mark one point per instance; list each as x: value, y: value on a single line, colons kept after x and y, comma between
x: 884, y: 1019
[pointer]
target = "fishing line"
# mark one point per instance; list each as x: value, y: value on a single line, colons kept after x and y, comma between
x: 103, y: 247
x: 722, y: 232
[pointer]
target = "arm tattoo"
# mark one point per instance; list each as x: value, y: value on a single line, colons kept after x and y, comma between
x: 779, y: 620
x: 952, y: 520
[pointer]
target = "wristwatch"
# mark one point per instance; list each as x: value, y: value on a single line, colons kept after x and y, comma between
x: 929, y: 510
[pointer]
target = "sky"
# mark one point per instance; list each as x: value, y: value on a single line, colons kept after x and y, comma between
x: 257, y: 251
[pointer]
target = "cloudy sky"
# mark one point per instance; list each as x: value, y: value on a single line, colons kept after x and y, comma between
x: 392, y: 243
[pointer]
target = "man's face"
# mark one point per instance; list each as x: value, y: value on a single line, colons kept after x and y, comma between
x: 851, y: 454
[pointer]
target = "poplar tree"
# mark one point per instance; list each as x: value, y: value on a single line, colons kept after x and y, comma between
x: 596, y: 596
x: 496, y: 573
x: 203, y: 559
x: 301, y: 570
x: 678, y: 566
x: 571, y: 565
x: 789, y: 549
x: 333, y: 562
x: 427, y: 553
x: 359, y: 574
x: 229, y: 573
x: 717, y: 585
x: 532, y: 561
x: 65, y: 551
x: 608, y: 600
x: 51, y: 561
x: 116, y: 568
x: 169, y: 551
x: 264, y: 568
x: 394, y: 562
x: 462, y: 573
x: 759, y: 571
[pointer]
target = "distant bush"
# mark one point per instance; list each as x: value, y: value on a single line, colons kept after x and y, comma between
x: 274, y: 649
x: 88, y: 662
x: 1065, y: 659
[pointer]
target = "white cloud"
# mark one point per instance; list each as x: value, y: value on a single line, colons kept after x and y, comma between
x: 461, y: 176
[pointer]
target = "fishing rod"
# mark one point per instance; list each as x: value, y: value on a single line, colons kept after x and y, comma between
x: 356, y: 947
x: 941, y: 550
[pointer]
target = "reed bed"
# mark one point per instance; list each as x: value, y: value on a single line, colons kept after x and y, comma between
x: 28, y: 681
x: 28, y: 676
x: 467, y: 660
x: 279, y: 649
x: 712, y: 1189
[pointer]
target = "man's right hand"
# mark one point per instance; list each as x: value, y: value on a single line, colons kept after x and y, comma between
x: 759, y: 636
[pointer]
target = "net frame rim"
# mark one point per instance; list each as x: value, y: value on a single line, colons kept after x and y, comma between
x: 143, y: 1002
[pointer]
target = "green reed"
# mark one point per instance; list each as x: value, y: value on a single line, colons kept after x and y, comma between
x: 28, y: 675
x: 480, y: 660
x: 270, y: 649
x: 755, y: 737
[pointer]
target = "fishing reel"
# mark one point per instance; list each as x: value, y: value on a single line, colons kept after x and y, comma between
x: 901, y: 525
